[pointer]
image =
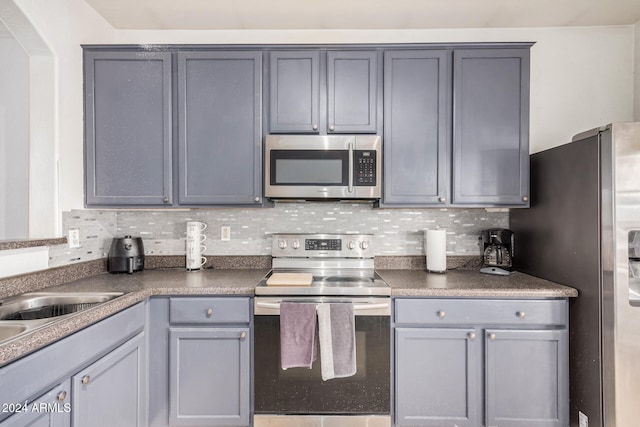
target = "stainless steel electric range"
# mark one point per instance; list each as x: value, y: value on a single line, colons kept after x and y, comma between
x: 341, y: 269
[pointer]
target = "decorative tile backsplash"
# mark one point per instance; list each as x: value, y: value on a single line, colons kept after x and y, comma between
x: 397, y: 231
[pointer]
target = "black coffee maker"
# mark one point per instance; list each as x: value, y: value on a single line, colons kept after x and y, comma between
x: 497, y: 251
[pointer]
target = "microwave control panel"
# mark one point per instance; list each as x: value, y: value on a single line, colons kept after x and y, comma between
x: 365, y: 168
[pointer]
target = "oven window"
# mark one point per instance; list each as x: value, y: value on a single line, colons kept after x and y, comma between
x: 309, y: 167
x: 300, y: 391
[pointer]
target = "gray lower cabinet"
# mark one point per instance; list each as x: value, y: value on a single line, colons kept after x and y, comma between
x: 128, y: 128
x: 50, y: 410
x: 480, y: 363
x: 110, y: 357
x: 318, y: 91
x: 437, y: 377
x: 112, y: 391
x: 219, y: 122
x: 491, y: 127
x: 417, y: 96
x: 201, y: 361
x: 209, y: 376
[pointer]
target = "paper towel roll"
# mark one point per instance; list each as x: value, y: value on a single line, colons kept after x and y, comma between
x: 436, y: 250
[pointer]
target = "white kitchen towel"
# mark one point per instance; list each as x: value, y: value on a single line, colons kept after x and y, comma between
x: 337, y: 333
x: 298, y: 348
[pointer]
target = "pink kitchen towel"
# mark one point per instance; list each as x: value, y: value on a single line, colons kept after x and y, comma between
x: 298, y: 347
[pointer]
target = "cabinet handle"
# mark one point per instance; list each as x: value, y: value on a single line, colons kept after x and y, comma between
x: 440, y: 314
x: 520, y: 314
x: 86, y: 379
x: 525, y: 199
x: 441, y: 199
x: 314, y: 127
x: 165, y: 200
x: 492, y: 337
x: 243, y: 335
x: 257, y: 200
x: 209, y: 312
x: 62, y: 396
x: 331, y: 127
x: 472, y: 335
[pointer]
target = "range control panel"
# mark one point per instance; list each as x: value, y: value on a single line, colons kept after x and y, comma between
x: 364, y: 168
x: 322, y: 245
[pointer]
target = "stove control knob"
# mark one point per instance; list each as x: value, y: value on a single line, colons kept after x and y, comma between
x: 295, y: 244
x: 364, y: 244
x: 351, y: 245
x: 282, y: 244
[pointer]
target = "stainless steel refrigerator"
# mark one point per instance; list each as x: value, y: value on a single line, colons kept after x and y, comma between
x: 583, y: 230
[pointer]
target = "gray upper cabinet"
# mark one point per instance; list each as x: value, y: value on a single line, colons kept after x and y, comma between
x: 313, y: 91
x: 417, y: 99
x: 491, y: 127
x: 219, y: 122
x: 352, y: 87
x: 294, y: 91
x: 128, y: 128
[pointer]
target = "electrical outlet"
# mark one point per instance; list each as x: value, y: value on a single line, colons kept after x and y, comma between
x: 74, y: 238
x: 225, y: 233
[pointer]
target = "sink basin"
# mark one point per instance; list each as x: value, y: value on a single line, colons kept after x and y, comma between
x: 45, y: 305
x: 10, y: 331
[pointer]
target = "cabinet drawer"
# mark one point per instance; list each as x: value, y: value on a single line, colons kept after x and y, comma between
x: 209, y: 310
x: 485, y: 312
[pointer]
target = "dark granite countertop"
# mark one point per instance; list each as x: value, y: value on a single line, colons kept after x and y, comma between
x: 471, y: 284
x: 223, y: 282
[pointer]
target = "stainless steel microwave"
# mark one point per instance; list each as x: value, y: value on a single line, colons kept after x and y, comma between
x: 323, y: 166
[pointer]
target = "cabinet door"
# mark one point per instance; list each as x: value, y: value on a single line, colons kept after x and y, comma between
x: 491, y: 127
x: 209, y: 374
x: 416, y: 116
x: 436, y: 377
x: 294, y: 91
x: 219, y: 119
x: 352, y: 89
x: 50, y: 410
x: 128, y: 128
x: 526, y: 378
x: 112, y: 391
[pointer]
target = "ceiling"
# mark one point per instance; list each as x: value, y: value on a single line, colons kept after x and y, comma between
x: 362, y: 14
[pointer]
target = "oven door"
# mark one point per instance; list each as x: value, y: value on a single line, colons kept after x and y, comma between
x: 321, y: 167
x: 300, y: 391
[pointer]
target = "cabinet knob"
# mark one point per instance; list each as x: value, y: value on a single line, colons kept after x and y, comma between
x: 314, y: 127
x: 525, y: 198
x: 520, y: 314
x: 86, y: 379
x: 472, y: 335
x: 62, y: 396
x: 243, y: 335
x: 165, y: 200
x: 257, y: 200
x: 441, y: 199
x: 209, y: 312
x: 440, y: 314
x: 492, y: 337
x: 331, y: 127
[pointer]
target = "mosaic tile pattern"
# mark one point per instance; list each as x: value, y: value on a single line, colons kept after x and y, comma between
x: 398, y: 232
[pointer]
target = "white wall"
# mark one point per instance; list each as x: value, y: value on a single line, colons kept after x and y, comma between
x: 636, y: 73
x: 14, y: 139
x: 580, y: 77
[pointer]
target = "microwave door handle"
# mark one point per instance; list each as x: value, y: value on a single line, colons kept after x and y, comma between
x: 350, y: 189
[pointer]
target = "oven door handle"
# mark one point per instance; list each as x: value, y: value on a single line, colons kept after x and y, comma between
x: 356, y: 307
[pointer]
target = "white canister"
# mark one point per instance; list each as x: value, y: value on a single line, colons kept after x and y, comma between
x: 195, y: 245
x: 435, y: 246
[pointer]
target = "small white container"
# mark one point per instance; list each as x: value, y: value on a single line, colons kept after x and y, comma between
x: 195, y: 245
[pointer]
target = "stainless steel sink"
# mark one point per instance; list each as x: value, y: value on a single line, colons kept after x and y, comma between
x: 10, y: 331
x: 23, y: 313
